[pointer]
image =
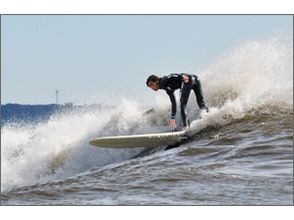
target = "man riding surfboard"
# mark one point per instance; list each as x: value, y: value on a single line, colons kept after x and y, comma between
x: 184, y: 81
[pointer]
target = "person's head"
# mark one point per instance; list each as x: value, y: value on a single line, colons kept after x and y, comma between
x: 153, y: 82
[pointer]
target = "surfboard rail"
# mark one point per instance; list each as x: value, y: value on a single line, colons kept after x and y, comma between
x: 139, y: 140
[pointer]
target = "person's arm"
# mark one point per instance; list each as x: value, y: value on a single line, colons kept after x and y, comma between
x: 173, y: 103
x: 172, y: 120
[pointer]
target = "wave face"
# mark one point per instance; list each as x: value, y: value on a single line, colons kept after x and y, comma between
x: 242, y: 153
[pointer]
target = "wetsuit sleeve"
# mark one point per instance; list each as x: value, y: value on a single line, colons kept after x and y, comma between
x: 173, y: 103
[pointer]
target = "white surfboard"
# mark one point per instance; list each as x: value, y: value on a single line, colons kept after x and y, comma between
x: 140, y: 140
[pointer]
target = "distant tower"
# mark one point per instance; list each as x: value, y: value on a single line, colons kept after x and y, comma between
x: 56, y: 96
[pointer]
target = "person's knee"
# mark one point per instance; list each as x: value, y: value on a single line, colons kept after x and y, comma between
x: 197, y: 84
x: 183, y: 108
x: 184, y: 100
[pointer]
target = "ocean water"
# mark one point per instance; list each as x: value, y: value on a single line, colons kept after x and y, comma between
x: 241, y: 153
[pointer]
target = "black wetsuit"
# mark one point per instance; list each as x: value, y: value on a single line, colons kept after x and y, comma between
x: 175, y: 81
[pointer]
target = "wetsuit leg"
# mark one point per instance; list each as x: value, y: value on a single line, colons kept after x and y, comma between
x: 184, y: 100
x: 198, y: 92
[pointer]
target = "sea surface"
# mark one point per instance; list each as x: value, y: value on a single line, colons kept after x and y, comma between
x: 241, y: 152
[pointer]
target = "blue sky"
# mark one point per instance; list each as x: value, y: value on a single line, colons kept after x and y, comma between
x: 110, y: 56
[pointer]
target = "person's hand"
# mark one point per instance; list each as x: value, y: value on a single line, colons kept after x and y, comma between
x: 172, y: 123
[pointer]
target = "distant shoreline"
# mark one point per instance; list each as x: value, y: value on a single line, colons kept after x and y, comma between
x: 14, y: 113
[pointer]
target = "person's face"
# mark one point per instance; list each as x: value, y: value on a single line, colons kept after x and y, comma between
x: 153, y: 85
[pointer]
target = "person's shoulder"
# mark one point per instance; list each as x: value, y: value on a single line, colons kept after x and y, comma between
x: 173, y: 75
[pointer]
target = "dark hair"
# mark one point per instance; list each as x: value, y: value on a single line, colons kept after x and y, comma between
x: 152, y: 78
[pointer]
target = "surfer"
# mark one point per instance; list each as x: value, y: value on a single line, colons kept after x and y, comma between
x: 185, y: 82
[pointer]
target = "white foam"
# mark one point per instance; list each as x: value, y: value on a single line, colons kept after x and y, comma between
x: 59, y: 148
x: 260, y: 72
x: 255, y: 76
